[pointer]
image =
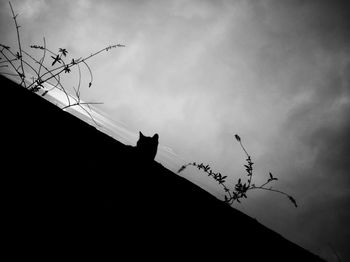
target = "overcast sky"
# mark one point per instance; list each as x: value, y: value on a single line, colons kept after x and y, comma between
x: 198, y: 72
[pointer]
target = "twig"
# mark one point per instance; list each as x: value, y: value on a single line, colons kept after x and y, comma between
x: 43, y: 57
x: 22, y: 75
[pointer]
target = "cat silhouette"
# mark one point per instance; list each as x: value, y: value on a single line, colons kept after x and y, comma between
x: 146, y: 147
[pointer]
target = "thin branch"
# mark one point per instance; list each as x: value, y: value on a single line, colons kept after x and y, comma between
x: 86, y: 111
x: 269, y: 189
x: 79, y: 81
x: 10, y: 61
x: 19, y: 45
x: 82, y: 103
x: 10, y: 74
x: 43, y: 57
x: 91, y: 77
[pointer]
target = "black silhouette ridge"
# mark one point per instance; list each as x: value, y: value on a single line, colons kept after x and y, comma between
x: 71, y: 189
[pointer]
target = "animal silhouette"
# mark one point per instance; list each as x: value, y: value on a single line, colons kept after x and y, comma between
x: 147, y: 147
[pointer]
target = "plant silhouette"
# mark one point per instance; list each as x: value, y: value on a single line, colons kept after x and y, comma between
x: 22, y: 62
x: 240, y: 188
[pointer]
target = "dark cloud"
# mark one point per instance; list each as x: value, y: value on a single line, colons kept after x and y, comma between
x: 321, y: 125
x: 305, y: 53
x: 325, y: 219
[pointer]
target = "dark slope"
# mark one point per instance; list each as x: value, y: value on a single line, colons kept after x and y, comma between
x: 69, y: 187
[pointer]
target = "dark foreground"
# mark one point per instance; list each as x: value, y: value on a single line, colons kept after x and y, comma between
x: 71, y: 191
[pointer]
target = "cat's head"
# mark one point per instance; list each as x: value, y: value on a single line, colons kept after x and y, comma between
x: 147, y: 146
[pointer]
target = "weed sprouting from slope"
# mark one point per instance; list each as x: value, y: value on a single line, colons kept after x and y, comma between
x: 240, y: 189
x: 47, y: 69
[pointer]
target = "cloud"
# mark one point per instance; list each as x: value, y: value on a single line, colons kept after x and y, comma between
x: 197, y: 72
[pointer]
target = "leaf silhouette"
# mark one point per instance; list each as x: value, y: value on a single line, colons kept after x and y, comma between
x: 293, y: 201
x: 56, y: 59
x: 181, y: 169
x: 67, y: 69
x: 37, y: 47
x: 63, y: 51
x: 237, y: 138
x: 18, y: 55
x: 5, y: 46
x: 272, y: 177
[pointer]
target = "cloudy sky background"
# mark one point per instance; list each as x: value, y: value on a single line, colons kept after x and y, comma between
x: 197, y: 72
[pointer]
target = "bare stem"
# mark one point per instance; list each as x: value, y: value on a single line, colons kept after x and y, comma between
x: 22, y: 75
x: 88, y: 67
x: 10, y: 61
x: 81, y: 103
x: 86, y: 111
x: 41, y: 62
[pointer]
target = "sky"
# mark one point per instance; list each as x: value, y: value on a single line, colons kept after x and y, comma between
x: 197, y: 72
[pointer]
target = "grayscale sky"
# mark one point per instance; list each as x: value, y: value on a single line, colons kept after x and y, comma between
x: 197, y: 72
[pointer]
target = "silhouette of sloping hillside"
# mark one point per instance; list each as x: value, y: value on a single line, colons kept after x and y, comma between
x: 71, y: 188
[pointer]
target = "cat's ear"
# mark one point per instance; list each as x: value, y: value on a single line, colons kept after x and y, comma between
x: 155, y: 137
x: 140, y: 133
